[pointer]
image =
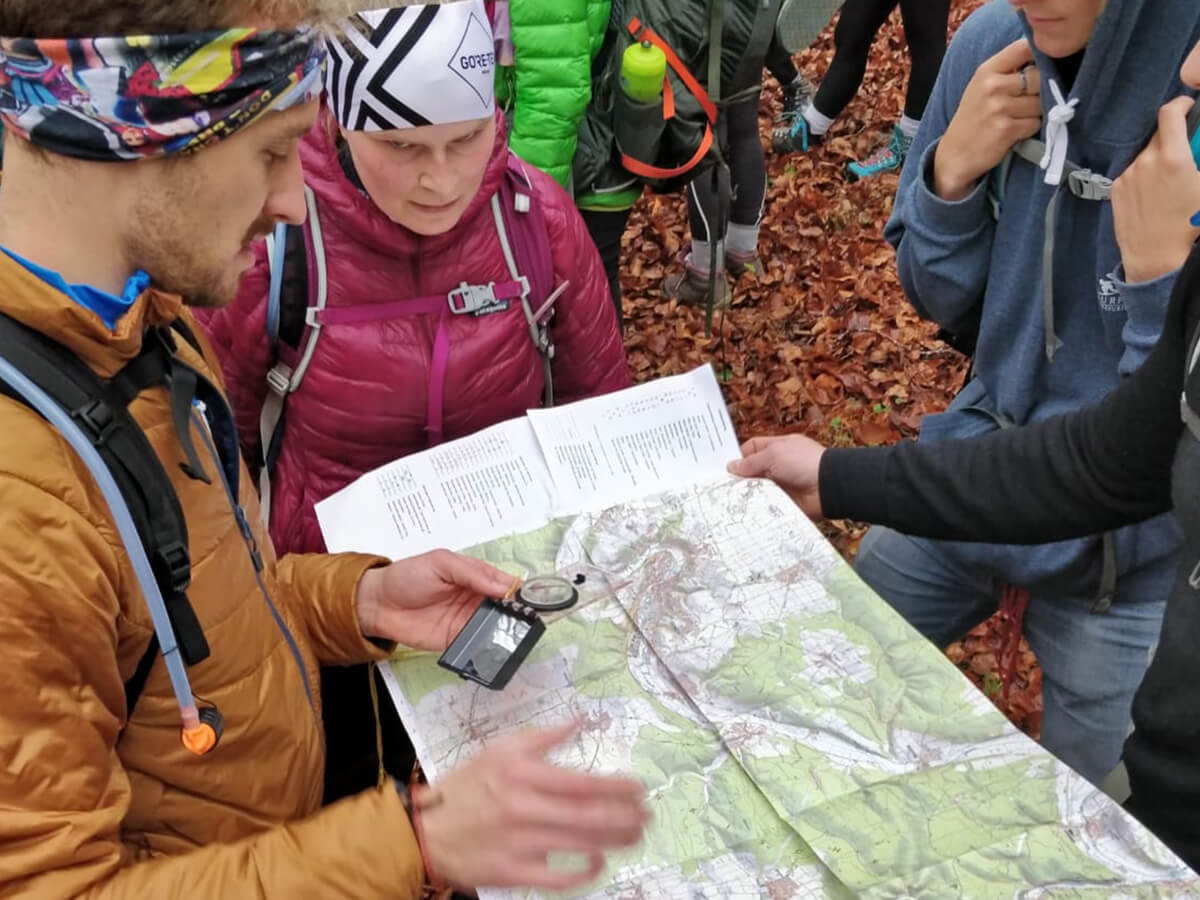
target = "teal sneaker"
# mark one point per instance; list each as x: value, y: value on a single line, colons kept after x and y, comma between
x: 885, y: 159
x: 793, y: 136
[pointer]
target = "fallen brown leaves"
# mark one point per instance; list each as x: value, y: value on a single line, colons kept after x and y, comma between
x: 824, y: 341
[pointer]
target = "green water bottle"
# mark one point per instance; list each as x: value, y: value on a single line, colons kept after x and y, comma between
x: 639, y: 123
x: 643, y: 67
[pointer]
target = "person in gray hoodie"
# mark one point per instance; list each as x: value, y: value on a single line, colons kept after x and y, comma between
x: 1021, y: 255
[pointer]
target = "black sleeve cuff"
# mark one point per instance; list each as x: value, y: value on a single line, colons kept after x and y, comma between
x: 852, y: 483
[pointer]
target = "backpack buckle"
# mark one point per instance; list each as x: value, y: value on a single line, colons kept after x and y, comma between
x: 98, y: 418
x: 1088, y: 185
x: 175, y: 563
x: 279, y: 379
x: 470, y: 298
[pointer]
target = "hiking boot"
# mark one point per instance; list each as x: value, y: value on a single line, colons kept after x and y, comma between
x: 795, y: 97
x: 793, y: 136
x: 885, y: 159
x: 691, y: 286
x: 739, y: 264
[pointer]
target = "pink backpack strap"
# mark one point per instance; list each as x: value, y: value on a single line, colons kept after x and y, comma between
x: 377, y: 312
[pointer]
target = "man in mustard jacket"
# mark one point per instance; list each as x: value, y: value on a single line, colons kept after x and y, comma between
x: 138, y: 172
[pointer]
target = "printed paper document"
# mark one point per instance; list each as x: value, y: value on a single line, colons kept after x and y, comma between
x: 519, y: 474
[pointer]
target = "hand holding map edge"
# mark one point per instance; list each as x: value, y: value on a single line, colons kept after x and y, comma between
x: 792, y: 461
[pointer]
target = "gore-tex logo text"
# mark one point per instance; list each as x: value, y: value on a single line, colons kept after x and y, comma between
x: 478, y: 61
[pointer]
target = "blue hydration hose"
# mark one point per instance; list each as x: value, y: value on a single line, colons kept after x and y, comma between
x: 58, y: 417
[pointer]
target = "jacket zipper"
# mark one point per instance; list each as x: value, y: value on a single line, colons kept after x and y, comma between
x: 239, y: 515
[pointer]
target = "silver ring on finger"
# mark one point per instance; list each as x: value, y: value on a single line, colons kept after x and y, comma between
x: 1024, y: 82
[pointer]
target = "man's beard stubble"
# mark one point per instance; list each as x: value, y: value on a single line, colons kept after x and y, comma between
x: 170, y: 245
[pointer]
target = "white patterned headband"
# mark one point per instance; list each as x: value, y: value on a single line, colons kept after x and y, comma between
x: 410, y: 66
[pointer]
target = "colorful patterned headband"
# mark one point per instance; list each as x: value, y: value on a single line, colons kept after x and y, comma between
x: 129, y: 98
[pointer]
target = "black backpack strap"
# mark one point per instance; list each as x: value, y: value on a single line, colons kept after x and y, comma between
x: 101, y: 410
x: 137, y: 681
x: 184, y: 330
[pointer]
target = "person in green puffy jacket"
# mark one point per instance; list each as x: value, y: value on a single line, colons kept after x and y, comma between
x: 544, y: 81
x: 546, y: 85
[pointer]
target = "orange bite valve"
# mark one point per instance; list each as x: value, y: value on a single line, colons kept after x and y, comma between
x: 203, y: 737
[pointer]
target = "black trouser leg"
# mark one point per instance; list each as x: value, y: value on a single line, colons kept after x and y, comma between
x: 606, y: 229
x: 857, y: 26
x: 748, y: 173
x: 925, y: 23
x: 779, y: 62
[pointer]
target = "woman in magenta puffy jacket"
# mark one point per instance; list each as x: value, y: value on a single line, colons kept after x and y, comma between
x: 405, y: 213
x: 407, y: 172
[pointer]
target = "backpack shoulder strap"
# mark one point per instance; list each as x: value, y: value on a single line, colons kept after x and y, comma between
x: 525, y: 241
x: 93, y: 410
x: 283, y: 379
x: 1083, y: 183
x: 998, y: 184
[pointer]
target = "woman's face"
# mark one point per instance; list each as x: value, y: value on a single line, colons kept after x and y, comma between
x: 424, y: 178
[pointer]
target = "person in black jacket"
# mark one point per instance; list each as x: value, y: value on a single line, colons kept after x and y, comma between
x: 1133, y: 456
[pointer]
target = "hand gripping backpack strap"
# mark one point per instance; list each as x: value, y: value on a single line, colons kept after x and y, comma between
x: 93, y: 415
x: 522, y: 230
x: 282, y: 379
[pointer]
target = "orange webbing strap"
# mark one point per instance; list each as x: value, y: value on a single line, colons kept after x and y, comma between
x: 637, y: 167
x: 1014, y: 601
x: 642, y: 32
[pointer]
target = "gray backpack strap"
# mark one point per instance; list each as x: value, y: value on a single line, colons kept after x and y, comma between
x: 282, y: 379
x: 539, y: 333
x: 1086, y: 185
x: 1108, y: 574
x: 998, y: 183
x: 1082, y: 183
x: 1051, y: 223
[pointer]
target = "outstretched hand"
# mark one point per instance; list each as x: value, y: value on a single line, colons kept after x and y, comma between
x: 792, y: 461
x: 495, y: 820
x: 424, y: 601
